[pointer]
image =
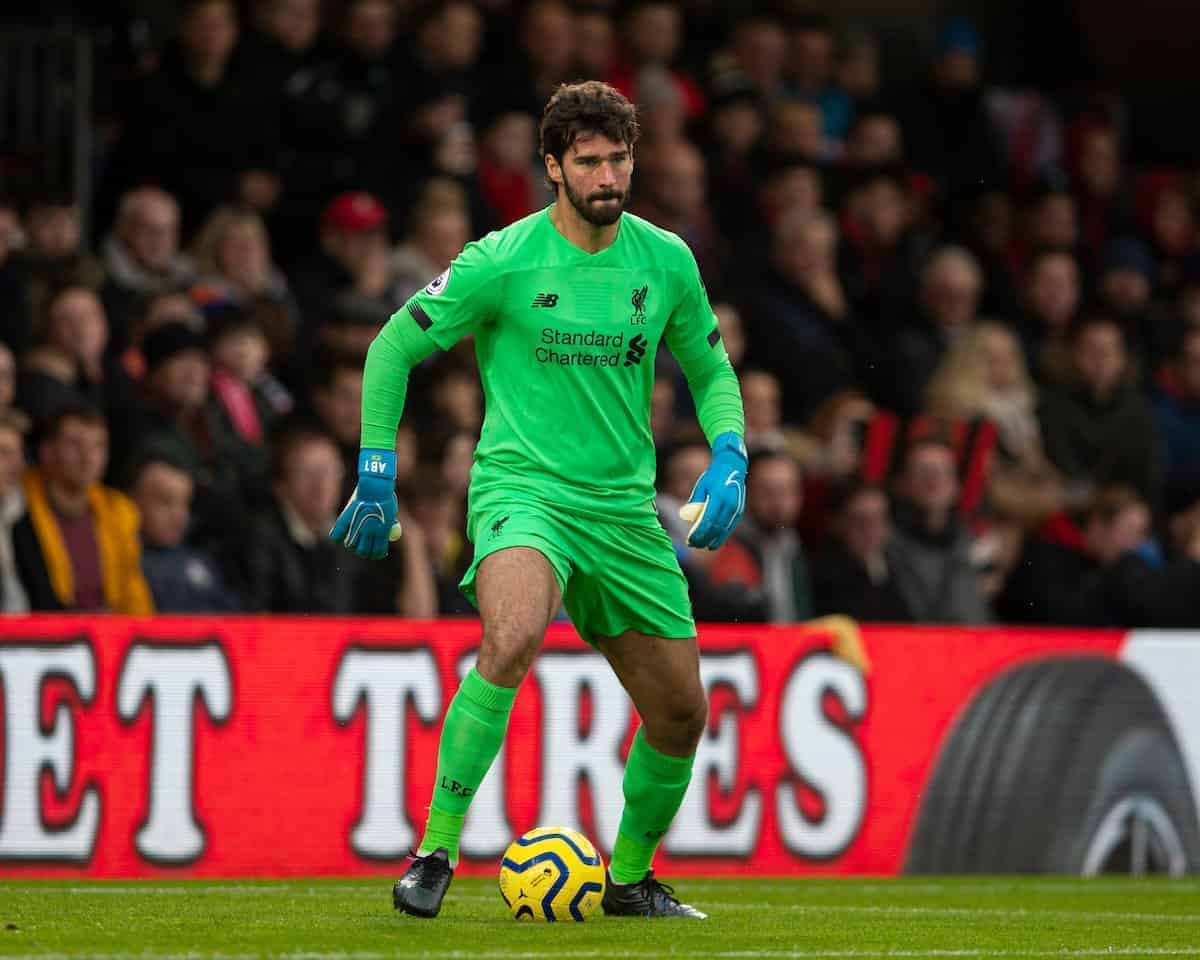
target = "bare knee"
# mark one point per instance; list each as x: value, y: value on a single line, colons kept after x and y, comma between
x: 507, y: 653
x: 676, y: 725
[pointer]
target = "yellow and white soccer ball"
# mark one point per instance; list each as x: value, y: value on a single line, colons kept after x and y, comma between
x: 552, y: 873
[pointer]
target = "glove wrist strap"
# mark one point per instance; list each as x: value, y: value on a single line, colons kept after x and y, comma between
x: 732, y: 442
x: 374, y: 462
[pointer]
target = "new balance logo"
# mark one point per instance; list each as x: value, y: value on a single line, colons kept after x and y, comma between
x: 637, y: 350
x: 545, y: 300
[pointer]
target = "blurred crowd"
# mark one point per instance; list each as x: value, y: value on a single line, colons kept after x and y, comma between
x: 967, y: 329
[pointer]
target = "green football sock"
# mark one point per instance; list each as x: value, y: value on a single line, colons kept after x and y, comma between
x: 471, y: 737
x: 654, y: 787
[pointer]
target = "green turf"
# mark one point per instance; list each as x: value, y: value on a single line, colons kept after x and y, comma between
x: 353, y: 920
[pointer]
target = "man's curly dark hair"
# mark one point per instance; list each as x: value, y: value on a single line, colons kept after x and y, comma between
x: 587, y: 107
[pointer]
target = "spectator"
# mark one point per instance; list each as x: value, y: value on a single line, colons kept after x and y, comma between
x: 13, y: 596
x: 951, y: 284
x: 233, y: 257
x: 878, y: 255
x: 179, y: 420
x: 283, y: 39
x: 838, y: 429
x: 1109, y: 580
x: 77, y: 327
x: 1126, y: 286
x: 853, y: 575
x: 1052, y: 295
x: 458, y: 456
x: 651, y: 37
x: 508, y: 180
x: 45, y: 380
x: 784, y: 184
x: 947, y: 126
x: 662, y: 113
x: 1098, y: 429
x: 1164, y: 215
x: 983, y: 376
x: 336, y: 401
x: 811, y: 60
x: 1094, y: 166
x: 988, y: 230
x: 595, y: 40
x: 439, y: 228
x: 545, y: 52
x: 735, y: 127
x: 1132, y: 586
x: 765, y: 552
x: 448, y: 41
x: 1051, y: 223
x: 875, y: 139
x: 290, y: 564
x: 457, y: 397
x: 151, y: 312
x: 343, y: 124
x: 77, y: 547
x: 350, y: 334
x: 795, y: 128
x: 856, y: 75
x: 763, y: 408
x: 1177, y: 410
x: 250, y: 398
x: 8, y: 378
x: 811, y: 75
x: 15, y: 332
x: 281, y: 48
x: 204, y: 129
x: 352, y: 275
x: 757, y: 51
x: 930, y: 551
x: 54, y: 255
x: 182, y: 579
x: 141, y: 256
x: 673, y: 195
x: 798, y: 317
x: 440, y: 86
x: 437, y: 521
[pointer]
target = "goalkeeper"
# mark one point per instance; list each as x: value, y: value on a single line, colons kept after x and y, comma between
x: 567, y: 307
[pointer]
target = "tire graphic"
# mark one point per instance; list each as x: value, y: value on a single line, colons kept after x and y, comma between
x: 1065, y: 765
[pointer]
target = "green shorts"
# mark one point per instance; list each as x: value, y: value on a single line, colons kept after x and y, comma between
x: 614, y: 576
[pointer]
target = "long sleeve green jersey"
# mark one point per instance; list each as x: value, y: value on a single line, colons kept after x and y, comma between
x: 565, y: 341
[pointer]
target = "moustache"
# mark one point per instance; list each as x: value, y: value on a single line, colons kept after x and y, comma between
x: 605, y: 196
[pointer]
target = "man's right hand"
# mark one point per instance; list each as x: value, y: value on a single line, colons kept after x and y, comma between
x: 368, y: 522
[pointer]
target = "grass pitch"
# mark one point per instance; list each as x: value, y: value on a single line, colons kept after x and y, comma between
x: 353, y: 920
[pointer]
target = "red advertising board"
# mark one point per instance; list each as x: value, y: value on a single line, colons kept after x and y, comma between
x: 283, y: 747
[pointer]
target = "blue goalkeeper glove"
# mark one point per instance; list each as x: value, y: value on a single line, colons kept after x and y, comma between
x: 719, y: 497
x: 368, y: 522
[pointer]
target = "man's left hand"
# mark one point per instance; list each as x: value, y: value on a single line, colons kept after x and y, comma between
x: 719, y: 497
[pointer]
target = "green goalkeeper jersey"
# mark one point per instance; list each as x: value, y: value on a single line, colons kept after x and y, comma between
x: 566, y: 342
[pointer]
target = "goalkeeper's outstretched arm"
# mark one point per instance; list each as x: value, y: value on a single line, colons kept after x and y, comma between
x: 368, y: 522
x: 393, y: 354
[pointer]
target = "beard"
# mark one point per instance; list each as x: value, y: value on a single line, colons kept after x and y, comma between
x: 597, y: 214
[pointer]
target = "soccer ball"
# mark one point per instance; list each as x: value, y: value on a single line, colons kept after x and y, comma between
x: 552, y: 873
